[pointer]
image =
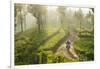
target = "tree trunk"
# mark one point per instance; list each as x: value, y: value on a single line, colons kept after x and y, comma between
x: 21, y: 22
x: 80, y: 27
x: 39, y: 22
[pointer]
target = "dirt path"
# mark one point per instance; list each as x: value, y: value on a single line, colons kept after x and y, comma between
x: 71, y: 54
x: 58, y: 44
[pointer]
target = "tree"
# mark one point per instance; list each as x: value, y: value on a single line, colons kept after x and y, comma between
x: 79, y: 17
x: 40, y: 13
x: 90, y: 18
x: 62, y: 14
x: 18, y: 9
x: 92, y: 9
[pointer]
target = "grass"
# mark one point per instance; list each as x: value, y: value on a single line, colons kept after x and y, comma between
x: 52, y: 41
x: 85, y: 49
x: 29, y: 48
x: 27, y: 42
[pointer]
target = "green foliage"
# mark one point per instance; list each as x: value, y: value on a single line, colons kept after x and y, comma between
x: 85, y: 49
x: 52, y: 41
x: 40, y: 44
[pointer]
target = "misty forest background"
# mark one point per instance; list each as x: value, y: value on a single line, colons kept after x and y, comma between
x: 41, y: 32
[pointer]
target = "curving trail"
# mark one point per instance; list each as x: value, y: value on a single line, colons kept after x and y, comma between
x: 70, y: 54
